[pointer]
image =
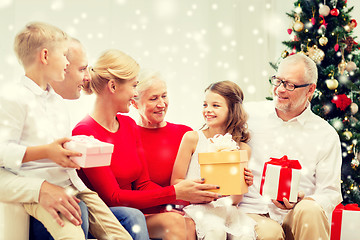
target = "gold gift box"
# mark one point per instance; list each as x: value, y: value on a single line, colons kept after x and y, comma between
x: 225, y: 169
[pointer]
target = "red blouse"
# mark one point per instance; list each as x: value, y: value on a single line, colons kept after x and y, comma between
x: 126, y: 181
x: 160, y: 148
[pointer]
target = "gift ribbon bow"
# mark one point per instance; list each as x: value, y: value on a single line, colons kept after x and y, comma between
x: 84, y: 139
x: 222, y: 143
x: 285, y: 162
x: 285, y: 175
x: 336, y: 219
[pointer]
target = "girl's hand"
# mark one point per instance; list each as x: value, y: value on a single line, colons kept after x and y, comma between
x: 249, y: 177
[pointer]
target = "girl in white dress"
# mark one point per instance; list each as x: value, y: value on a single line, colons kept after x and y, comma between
x: 223, y: 113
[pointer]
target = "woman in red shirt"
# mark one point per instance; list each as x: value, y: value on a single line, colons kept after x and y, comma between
x: 126, y: 181
x: 160, y: 139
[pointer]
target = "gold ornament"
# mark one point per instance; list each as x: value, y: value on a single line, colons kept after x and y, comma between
x: 323, y: 41
x: 324, y: 10
x: 342, y: 66
x: 347, y: 134
x: 332, y: 83
x: 347, y: 28
x: 298, y: 25
x: 354, y: 108
x: 284, y: 54
x: 350, y: 66
x: 316, y: 54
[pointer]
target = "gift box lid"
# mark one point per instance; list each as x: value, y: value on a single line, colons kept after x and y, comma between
x: 88, y: 145
x: 223, y: 157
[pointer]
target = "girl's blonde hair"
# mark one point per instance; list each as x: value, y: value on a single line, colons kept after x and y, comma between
x: 237, y: 117
x: 112, y: 64
x: 35, y: 36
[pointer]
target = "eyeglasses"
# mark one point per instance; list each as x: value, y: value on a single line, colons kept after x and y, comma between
x: 288, y: 86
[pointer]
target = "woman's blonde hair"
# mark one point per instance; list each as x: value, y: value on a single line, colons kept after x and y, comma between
x: 112, y: 64
x: 237, y: 117
x: 35, y: 36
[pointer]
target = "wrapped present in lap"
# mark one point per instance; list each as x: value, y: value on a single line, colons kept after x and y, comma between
x: 224, y: 166
x: 94, y: 152
x: 345, y: 222
x: 281, y: 179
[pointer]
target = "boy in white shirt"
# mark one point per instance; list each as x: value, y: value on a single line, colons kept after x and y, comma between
x: 34, y: 124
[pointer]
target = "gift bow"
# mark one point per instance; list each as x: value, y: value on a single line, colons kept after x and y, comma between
x: 222, y: 143
x: 84, y: 139
x: 336, y: 219
x: 285, y: 162
x: 285, y: 175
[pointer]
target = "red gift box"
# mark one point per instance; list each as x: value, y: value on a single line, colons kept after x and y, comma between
x: 345, y: 222
x: 280, y: 178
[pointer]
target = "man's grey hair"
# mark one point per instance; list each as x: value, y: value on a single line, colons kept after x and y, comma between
x: 310, y: 69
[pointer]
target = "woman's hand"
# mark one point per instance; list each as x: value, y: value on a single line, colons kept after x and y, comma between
x: 194, y: 191
x: 249, y: 177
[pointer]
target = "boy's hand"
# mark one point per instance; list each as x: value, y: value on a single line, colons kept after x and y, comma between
x: 57, y: 153
x: 249, y: 177
x: 55, y: 200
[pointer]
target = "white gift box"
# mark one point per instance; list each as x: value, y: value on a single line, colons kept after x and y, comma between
x: 94, y: 152
x: 273, y: 185
x: 14, y: 222
x: 345, y: 224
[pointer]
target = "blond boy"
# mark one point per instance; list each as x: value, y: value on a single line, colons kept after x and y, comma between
x: 34, y: 124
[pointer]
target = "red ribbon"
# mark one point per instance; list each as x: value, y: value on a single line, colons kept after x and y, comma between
x: 285, y: 175
x: 323, y: 22
x: 336, y: 219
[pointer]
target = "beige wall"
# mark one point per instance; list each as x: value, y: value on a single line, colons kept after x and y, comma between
x: 193, y: 43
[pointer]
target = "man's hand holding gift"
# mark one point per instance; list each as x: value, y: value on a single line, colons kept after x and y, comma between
x: 285, y: 204
x: 280, y: 182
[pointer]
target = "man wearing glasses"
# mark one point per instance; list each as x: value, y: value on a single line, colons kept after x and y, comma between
x: 286, y: 126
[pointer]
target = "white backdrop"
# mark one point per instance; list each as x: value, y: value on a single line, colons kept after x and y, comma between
x: 192, y: 42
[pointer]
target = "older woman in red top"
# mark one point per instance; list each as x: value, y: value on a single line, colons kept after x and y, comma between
x: 160, y: 139
x: 126, y: 181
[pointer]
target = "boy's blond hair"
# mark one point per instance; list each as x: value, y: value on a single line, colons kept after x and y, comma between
x: 34, y: 37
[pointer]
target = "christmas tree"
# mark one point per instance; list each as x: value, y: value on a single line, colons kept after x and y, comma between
x: 322, y: 29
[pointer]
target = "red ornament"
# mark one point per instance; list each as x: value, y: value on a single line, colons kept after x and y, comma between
x: 335, y: 12
x: 289, y: 31
x: 293, y: 51
x: 313, y: 21
x: 341, y: 101
x: 336, y: 47
x: 353, y: 21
